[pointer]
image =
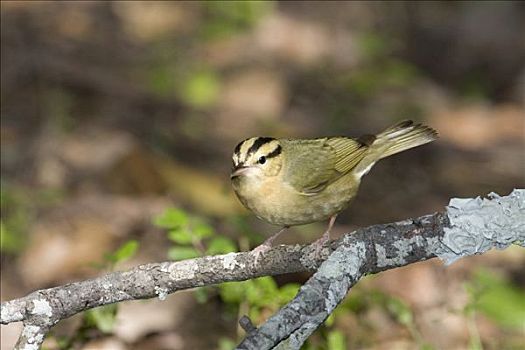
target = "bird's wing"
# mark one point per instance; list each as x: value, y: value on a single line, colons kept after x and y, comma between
x: 349, y: 152
x: 317, y: 163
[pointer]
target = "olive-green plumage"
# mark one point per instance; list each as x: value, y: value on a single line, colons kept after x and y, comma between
x: 292, y: 182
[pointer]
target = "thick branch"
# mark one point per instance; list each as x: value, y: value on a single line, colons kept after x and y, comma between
x: 469, y: 226
x: 368, y: 250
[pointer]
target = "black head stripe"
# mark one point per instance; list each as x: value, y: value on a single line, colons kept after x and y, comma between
x: 237, y: 149
x: 275, y: 152
x: 258, y: 143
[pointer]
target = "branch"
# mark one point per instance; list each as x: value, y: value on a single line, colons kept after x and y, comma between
x: 44, y: 308
x: 368, y: 250
x: 468, y: 227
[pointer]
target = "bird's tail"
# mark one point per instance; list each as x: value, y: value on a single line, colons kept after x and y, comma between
x: 403, y: 136
x: 397, y: 138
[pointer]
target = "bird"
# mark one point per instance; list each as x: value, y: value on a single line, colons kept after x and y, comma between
x: 289, y: 182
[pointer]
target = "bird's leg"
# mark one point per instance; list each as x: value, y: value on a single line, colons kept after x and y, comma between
x: 266, y: 245
x: 325, y: 237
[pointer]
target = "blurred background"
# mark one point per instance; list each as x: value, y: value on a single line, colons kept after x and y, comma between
x: 118, y: 120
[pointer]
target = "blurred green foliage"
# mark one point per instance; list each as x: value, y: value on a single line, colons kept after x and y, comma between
x: 10, y: 242
x: 16, y: 215
x: 162, y: 79
x: 261, y: 294
x: 226, y: 18
x: 381, y: 68
x: 173, y: 72
x: 388, y: 73
x: 201, y: 89
x: 102, y: 318
x: 192, y: 235
x: 227, y: 344
x: 58, y: 104
x: 336, y: 340
x: 19, y: 206
x: 360, y: 300
x: 497, y: 299
x: 197, y: 86
x: 475, y: 86
x: 178, y: 70
x: 373, y: 45
x: 125, y: 252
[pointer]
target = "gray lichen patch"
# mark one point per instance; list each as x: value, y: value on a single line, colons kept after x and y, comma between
x: 346, y: 260
x: 403, y: 248
x: 229, y: 261
x: 11, y: 312
x: 161, y: 292
x: 33, y: 336
x: 42, y: 307
x: 479, y: 224
x: 183, y: 270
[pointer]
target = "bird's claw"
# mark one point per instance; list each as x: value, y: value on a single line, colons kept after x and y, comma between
x: 259, y: 251
x: 319, y: 245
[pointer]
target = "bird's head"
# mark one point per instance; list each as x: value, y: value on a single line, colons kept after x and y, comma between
x: 257, y: 158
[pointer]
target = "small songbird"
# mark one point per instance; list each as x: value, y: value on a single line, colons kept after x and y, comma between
x: 290, y: 182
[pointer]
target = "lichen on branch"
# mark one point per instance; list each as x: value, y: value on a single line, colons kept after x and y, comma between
x: 467, y: 227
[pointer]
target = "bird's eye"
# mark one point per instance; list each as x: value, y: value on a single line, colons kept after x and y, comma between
x: 262, y: 160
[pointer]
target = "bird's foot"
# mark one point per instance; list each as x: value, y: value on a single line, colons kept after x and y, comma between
x: 325, y: 238
x: 259, y: 251
x: 320, y: 244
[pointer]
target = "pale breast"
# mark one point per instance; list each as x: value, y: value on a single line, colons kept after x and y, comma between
x: 279, y: 203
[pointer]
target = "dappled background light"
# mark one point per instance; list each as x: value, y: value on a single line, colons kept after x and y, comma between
x: 113, y: 112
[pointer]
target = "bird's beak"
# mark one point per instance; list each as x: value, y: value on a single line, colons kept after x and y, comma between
x: 239, y: 170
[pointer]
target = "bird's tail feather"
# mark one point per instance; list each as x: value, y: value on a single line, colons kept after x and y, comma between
x: 403, y: 136
x: 397, y: 138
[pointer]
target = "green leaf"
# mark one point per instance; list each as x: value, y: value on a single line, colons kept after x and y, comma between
x: 182, y: 253
x: 220, y: 245
x: 262, y: 291
x: 171, y: 218
x: 125, y: 252
x: 180, y: 236
x: 103, y: 318
x: 336, y: 340
x: 233, y: 292
x: 202, y: 230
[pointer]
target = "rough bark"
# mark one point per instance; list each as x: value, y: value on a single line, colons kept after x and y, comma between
x: 467, y: 227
